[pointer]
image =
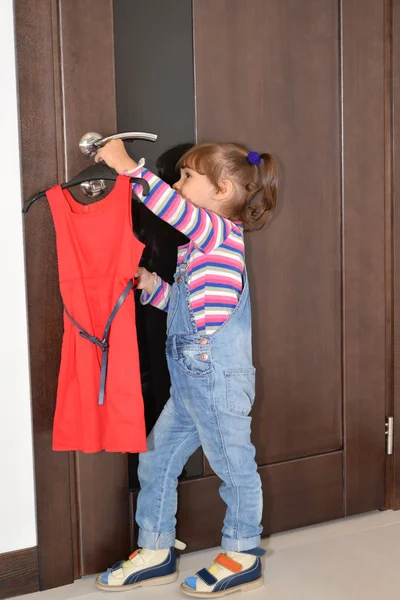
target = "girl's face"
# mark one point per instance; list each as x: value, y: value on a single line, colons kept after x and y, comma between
x: 197, y: 189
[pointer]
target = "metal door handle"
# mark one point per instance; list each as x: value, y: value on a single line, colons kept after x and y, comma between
x: 90, y: 144
x: 92, y: 141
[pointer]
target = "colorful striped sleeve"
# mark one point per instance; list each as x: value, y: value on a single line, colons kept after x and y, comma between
x: 159, y: 296
x: 206, y: 229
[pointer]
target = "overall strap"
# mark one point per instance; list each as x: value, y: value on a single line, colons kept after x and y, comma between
x: 182, y: 267
x: 103, y: 344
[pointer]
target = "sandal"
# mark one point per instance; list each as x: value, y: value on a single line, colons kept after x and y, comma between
x: 240, y: 571
x: 144, y: 568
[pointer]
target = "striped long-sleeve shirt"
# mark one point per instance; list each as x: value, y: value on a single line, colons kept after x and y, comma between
x: 215, y: 255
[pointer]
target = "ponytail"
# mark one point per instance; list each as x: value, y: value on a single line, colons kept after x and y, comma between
x: 262, y: 195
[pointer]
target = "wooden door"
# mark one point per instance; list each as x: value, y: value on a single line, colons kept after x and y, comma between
x: 307, y: 81
x: 302, y: 80
x: 310, y: 82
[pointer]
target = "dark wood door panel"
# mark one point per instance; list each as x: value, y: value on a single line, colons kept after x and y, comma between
x: 88, y: 75
x: 103, y: 508
x: 284, y: 97
x: 364, y: 136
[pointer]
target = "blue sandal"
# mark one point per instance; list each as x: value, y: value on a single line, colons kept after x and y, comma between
x: 231, y: 572
x: 144, y: 568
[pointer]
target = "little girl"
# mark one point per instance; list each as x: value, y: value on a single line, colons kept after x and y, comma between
x: 224, y: 190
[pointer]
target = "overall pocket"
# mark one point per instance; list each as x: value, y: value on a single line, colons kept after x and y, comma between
x: 240, y: 390
x: 195, y: 362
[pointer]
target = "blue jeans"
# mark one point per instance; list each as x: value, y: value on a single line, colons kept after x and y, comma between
x: 212, y: 394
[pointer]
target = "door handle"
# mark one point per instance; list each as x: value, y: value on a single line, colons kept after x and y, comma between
x: 90, y: 143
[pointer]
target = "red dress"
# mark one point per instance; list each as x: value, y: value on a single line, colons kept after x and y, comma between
x: 99, y: 397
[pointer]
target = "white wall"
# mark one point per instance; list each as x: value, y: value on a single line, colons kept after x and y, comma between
x: 17, y: 502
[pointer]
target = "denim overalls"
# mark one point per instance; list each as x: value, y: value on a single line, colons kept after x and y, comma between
x: 212, y: 394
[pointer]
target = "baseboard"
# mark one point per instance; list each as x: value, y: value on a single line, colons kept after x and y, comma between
x: 19, y: 572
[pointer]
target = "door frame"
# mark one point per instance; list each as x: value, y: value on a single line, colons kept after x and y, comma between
x: 58, y: 100
x: 50, y: 40
x: 393, y: 155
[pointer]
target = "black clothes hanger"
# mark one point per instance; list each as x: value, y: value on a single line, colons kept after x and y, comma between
x: 95, y: 172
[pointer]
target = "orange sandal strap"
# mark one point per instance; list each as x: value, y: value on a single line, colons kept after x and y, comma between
x: 132, y: 555
x: 228, y: 563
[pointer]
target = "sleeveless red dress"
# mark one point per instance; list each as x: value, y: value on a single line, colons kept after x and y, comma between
x: 99, y: 397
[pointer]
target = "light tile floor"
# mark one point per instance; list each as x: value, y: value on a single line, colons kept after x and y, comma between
x: 352, y: 559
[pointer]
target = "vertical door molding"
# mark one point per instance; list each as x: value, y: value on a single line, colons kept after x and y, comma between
x: 396, y: 244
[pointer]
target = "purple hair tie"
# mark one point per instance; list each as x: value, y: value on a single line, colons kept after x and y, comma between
x: 254, y: 158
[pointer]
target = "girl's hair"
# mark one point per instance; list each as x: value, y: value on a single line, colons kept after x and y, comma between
x: 255, y: 185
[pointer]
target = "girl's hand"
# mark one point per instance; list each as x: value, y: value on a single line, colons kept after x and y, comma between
x: 116, y: 157
x: 146, y: 280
